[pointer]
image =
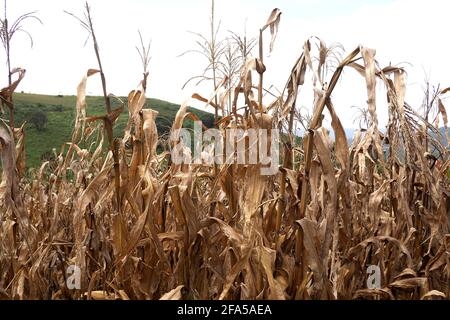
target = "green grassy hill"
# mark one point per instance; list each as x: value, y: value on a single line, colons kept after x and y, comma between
x: 60, y: 111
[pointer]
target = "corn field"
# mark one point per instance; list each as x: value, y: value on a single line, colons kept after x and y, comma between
x: 139, y: 226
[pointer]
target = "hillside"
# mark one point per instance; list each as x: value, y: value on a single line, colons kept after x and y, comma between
x: 60, y: 111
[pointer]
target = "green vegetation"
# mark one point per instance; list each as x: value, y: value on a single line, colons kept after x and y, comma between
x: 39, y: 119
x: 60, y: 112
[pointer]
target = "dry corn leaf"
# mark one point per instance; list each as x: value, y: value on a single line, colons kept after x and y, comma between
x: 174, y: 294
x: 273, y: 21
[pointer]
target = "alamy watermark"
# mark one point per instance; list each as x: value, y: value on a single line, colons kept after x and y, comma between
x: 374, y: 277
x: 73, y: 280
x: 236, y: 146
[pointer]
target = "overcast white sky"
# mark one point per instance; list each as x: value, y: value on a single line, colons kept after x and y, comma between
x: 413, y: 31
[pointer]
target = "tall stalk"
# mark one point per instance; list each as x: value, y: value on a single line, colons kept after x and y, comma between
x: 97, y: 54
x: 108, y: 121
x: 214, y: 59
x: 212, y: 49
x: 6, y: 34
x: 8, y: 60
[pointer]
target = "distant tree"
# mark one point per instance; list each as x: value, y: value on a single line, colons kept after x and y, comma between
x: 58, y: 108
x: 39, y: 119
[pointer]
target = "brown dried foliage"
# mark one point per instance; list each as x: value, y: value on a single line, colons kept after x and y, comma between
x: 199, y: 232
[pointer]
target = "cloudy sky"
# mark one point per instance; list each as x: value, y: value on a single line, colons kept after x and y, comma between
x: 412, y: 33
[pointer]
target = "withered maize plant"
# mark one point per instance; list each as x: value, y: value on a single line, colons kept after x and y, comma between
x: 139, y: 226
